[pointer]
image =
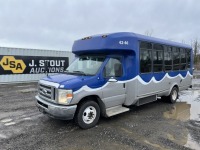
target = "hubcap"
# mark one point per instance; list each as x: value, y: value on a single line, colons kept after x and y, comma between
x: 89, y: 114
x: 174, y: 95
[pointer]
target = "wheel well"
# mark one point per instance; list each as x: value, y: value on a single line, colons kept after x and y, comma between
x: 176, y: 87
x: 95, y: 98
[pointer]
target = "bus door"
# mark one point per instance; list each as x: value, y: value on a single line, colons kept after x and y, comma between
x: 114, y: 92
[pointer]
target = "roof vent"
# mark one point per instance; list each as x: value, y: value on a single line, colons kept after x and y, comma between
x: 87, y: 38
x: 104, y: 36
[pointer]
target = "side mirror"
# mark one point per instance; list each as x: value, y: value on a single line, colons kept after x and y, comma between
x: 112, y: 80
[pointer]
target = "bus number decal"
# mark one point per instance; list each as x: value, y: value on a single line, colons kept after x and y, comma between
x: 123, y: 42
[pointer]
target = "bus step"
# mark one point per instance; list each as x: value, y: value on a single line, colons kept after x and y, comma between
x: 116, y: 110
x: 146, y: 100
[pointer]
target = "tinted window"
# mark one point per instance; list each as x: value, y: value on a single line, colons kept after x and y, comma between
x: 113, y: 68
x: 176, y: 58
x: 168, y: 58
x: 188, y: 57
x: 183, y: 59
x: 145, y: 61
x: 145, y: 45
x: 158, y: 47
x: 145, y: 57
x: 157, y: 61
x: 158, y: 57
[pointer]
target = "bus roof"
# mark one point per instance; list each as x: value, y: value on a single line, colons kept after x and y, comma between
x: 117, y: 42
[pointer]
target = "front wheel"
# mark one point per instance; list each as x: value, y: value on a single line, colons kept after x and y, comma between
x: 87, y: 114
x: 173, y: 95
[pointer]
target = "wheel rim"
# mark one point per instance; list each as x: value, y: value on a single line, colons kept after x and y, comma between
x: 174, y: 95
x: 89, y: 114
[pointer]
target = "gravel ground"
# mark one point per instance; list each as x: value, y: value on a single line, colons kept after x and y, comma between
x: 154, y: 126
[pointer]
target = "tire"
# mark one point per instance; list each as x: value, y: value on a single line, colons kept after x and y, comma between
x: 87, y: 115
x: 173, y: 95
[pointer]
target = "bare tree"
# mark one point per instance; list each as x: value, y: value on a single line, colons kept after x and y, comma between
x: 183, y: 41
x: 196, y: 49
x: 149, y: 32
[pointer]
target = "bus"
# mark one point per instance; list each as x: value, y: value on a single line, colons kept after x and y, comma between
x: 111, y: 72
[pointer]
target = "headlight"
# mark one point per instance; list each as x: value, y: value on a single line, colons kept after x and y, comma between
x: 64, y: 96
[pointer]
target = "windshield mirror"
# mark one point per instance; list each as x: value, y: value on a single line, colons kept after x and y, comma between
x: 86, y: 65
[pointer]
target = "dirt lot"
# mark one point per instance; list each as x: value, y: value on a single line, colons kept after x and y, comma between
x: 158, y: 125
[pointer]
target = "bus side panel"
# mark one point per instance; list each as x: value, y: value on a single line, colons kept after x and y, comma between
x: 163, y: 86
x: 185, y: 82
x: 131, y: 92
x: 153, y: 83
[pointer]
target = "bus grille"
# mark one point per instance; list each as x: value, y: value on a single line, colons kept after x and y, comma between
x: 46, y: 92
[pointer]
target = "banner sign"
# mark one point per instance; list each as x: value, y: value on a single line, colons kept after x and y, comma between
x: 32, y: 64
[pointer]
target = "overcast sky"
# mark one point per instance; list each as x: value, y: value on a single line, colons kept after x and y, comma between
x: 55, y: 24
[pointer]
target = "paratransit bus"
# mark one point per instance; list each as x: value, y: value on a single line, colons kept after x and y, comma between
x: 112, y: 72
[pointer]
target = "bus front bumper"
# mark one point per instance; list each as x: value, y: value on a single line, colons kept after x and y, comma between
x: 56, y: 111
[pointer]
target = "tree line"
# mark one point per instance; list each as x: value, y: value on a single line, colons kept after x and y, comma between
x: 196, y: 50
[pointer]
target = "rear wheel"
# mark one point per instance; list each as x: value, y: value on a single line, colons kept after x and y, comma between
x: 173, y: 95
x: 87, y: 115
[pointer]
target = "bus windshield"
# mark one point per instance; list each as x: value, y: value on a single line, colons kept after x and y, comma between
x: 86, y: 65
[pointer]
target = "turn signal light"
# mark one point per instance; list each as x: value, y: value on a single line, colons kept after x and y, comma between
x: 69, y: 95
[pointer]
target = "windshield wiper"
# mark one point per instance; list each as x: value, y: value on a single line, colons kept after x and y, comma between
x: 79, y: 72
x: 67, y: 72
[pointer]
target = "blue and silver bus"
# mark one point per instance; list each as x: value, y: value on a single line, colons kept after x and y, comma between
x: 112, y: 72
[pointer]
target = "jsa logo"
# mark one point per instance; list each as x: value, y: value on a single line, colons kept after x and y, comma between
x: 12, y: 64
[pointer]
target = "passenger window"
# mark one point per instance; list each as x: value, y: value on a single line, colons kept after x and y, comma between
x: 183, y: 59
x: 145, y: 61
x: 158, y: 58
x: 176, y: 58
x: 145, y: 57
x: 145, y: 45
x: 113, y: 68
x: 168, y: 58
x: 188, y: 57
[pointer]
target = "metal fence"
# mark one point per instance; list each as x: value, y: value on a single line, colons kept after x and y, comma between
x: 30, y: 65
